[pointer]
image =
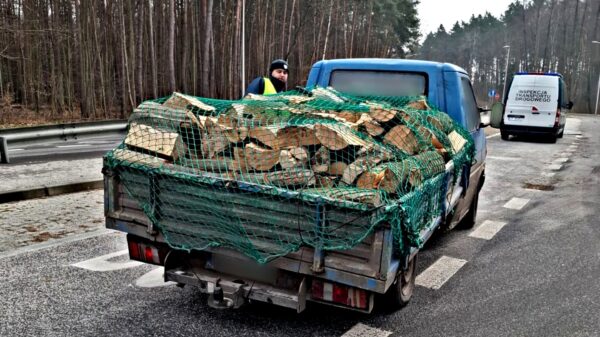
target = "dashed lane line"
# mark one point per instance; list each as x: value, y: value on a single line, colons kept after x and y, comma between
x: 561, y: 160
x: 555, y: 167
x: 503, y: 158
x: 516, y: 203
x: 439, y: 272
x: 487, y: 230
x: 493, y: 135
x: 101, y: 263
x: 362, y: 330
x: 153, y: 279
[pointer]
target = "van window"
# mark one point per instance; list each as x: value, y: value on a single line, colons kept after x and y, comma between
x: 564, y: 98
x: 379, y: 83
x: 469, y: 104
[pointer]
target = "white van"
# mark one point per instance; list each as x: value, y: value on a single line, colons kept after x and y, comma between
x: 536, y: 105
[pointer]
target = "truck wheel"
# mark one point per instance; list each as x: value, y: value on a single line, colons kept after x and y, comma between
x: 471, y: 217
x: 403, y: 287
x: 504, y: 135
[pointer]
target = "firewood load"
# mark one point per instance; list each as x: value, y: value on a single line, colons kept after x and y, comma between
x: 322, y: 143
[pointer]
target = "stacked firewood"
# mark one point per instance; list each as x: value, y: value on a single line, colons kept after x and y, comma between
x: 293, y: 142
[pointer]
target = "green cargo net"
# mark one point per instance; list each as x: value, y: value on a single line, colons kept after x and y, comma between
x: 266, y: 175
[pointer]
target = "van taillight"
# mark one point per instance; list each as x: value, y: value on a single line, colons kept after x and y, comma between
x: 340, y: 294
x: 141, y: 250
x: 557, y: 118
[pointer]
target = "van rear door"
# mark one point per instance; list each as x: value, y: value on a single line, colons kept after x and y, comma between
x: 532, y: 101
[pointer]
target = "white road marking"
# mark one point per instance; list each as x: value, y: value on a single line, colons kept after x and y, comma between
x: 439, y: 272
x: 579, y: 137
x: 561, y: 160
x: 100, y: 263
x: 548, y: 174
x: 494, y: 135
x: 555, y: 167
x: 361, y: 330
x: 15, y: 150
x: 487, y: 229
x: 153, y: 279
x: 516, y: 203
x: 503, y: 158
x: 75, y: 145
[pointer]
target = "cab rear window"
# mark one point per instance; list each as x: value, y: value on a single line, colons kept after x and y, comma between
x: 380, y: 83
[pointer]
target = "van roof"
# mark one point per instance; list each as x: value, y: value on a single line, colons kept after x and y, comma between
x: 538, y: 73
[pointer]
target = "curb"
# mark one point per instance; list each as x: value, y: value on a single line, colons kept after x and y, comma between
x: 49, y: 191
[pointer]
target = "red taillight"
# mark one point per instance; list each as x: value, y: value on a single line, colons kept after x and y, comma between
x: 534, y: 109
x: 145, y: 252
x: 557, y: 118
x: 148, y: 254
x: 134, y: 252
x: 341, y: 294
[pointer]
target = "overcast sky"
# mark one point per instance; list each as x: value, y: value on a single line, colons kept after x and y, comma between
x: 432, y: 13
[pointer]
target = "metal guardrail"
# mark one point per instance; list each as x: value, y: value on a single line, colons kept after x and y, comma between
x: 60, y: 131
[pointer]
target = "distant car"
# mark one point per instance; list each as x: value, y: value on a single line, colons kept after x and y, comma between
x: 536, y: 104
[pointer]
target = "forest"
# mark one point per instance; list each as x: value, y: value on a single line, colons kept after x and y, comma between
x: 98, y: 59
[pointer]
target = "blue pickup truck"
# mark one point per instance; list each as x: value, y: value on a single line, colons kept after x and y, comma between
x: 352, y: 278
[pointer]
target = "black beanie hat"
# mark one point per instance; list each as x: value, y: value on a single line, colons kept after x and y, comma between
x: 278, y: 64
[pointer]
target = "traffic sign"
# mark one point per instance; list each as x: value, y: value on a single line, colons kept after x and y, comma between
x: 491, y: 93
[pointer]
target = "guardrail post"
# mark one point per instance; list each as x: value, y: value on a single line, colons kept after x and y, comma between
x: 3, y: 150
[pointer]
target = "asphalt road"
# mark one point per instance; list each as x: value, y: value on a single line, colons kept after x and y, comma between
x: 83, y: 147
x: 530, y: 268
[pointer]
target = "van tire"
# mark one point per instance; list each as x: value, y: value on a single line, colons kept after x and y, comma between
x: 504, y: 135
x: 561, y: 134
x: 469, y: 220
x: 401, y: 291
x: 552, y: 139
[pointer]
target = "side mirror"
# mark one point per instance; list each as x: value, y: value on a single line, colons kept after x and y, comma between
x: 497, y: 114
x: 570, y: 105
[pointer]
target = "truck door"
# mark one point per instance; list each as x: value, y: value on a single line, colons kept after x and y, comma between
x: 473, y: 120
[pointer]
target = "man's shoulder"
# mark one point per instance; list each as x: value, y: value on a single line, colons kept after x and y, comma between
x: 257, y: 86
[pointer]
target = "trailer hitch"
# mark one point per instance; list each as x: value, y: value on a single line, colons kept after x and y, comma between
x: 231, y: 298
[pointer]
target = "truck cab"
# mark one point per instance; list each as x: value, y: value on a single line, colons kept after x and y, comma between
x: 446, y: 86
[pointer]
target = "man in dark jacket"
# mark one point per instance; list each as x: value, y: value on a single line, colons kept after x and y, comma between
x: 276, y: 82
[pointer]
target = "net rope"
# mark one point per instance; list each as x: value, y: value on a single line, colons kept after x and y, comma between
x: 266, y: 175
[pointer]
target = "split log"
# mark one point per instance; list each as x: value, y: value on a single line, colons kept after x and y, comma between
x: 266, y: 135
x: 239, y: 162
x: 324, y: 182
x: 337, y: 168
x: 320, y: 161
x: 297, y: 136
x: 260, y: 158
x: 159, y: 114
x: 369, y: 197
x: 403, y: 138
x: 214, y: 140
x: 168, y: 144
x: 287, y: 179
x: 338, y: 137
x: 293, y: 157
x: 359, y: 166
x: 133, y: 157
x: 328, y: 94
x: 457, y: 141
x: 381, y: 113
x: 419, y: 105
x: 181, y: 101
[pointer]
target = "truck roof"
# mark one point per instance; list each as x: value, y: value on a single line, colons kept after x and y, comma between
x: 388, y: 64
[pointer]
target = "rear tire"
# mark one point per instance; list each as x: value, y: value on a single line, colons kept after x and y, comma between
x: 470, y: 218
x: 401, y: 291
x: 552, y: 139
x: 561, y: 134
x: 504, y: 135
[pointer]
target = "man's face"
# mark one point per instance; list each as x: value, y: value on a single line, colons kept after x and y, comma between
x: 280, y: 74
